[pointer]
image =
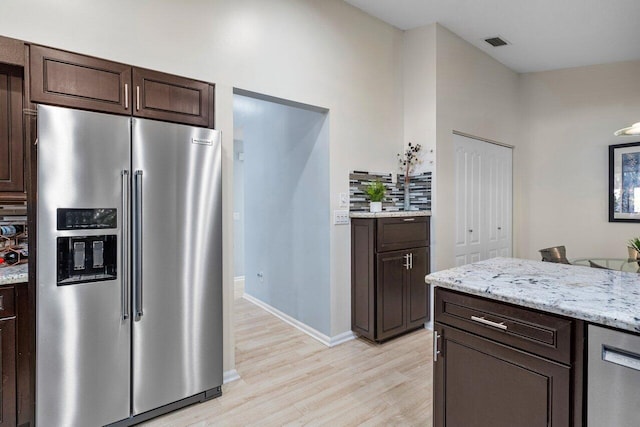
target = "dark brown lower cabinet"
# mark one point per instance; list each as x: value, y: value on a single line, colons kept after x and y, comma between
x: 500, y: 365
x: 388, y: 292
x: 480, y: 383
x: 8, y: 372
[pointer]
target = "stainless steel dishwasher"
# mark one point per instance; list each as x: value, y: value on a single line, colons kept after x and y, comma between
x: 613, y: 379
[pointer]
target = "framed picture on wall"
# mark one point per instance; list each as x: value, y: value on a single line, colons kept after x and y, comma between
x: 624, y: 182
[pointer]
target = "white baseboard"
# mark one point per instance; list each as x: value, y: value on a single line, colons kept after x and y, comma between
x: 230, y: 376
x: 317, y: 335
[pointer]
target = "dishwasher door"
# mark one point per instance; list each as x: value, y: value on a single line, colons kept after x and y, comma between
x: 613, y: 380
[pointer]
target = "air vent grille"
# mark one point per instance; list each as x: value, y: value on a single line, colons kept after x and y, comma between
x: 496, y: 41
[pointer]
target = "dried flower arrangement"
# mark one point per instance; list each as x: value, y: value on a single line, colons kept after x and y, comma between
x: 408, y: 161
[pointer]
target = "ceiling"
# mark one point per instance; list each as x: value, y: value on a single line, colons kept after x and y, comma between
x: 544, y: 34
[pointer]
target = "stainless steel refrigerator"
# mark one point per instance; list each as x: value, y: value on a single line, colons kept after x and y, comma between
x: 129, y: 267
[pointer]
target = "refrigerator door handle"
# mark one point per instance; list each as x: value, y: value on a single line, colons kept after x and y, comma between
x: 137, y: 246
x: 124, y: 242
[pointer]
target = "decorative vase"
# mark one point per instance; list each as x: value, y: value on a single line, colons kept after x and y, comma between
x: 407, y: 200
x: 375, y: 206
x: 633, y: 254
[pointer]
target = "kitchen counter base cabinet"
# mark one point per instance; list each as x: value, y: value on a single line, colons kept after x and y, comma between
x: 486, y: 374
x: 389, y: 259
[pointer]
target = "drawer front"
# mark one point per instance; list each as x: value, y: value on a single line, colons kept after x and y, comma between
x: 402, y: 233
x: 539, y: 333
x: 7, y: 306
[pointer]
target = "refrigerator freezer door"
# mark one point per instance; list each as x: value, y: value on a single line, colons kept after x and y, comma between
x: 83, y: 340
x: 177, y: 330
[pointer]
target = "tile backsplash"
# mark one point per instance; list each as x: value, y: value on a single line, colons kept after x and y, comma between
x: 419, y: 191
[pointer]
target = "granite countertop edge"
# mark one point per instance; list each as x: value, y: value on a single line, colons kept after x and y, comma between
x: 14, y: 274
x: 603, y: 297
x: 388, y: 214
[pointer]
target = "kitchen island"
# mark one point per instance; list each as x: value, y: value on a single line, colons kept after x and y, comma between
x: 510, y: 339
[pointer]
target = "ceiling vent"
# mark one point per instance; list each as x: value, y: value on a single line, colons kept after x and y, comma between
x: 496, y: 41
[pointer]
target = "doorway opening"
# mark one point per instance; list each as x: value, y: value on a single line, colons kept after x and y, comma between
x: 282, y: 208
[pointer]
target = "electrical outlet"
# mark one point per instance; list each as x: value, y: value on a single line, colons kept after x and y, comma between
x: 341, y: 217
x: 344, y: 200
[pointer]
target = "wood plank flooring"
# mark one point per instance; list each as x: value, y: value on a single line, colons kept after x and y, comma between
x: 288, y: 378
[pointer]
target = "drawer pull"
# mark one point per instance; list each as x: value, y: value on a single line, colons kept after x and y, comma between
x: 1, y: 302
x: 484, y: 321
x: 409, y: 219
x: 436, y: 352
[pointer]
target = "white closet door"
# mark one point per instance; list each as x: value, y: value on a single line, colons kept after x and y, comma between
x: 483, y: 174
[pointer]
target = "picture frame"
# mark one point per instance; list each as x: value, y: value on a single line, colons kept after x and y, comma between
x: 624, y: 182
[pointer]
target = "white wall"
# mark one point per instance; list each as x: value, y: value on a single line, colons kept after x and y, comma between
x: 319, y: 52
x: 570, y: 116
x: 286, y: 177
x: 238, y: 205
x: 479, y: 96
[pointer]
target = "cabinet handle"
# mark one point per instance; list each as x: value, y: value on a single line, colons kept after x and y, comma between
x: 484, y: 321
x: 137, y: 98
x: 409, y: 219
x: 126, y: 96
x: 436, y: 352
x: 406, y: 261
x: 411, y: 260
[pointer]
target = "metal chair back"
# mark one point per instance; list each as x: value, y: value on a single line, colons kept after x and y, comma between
x: 557, y: 254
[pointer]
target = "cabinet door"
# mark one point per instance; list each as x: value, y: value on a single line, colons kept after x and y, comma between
x: 479, y: 383
x: 391, y: 299
x: 11, y: 143
x: 78, y: 81
x: 171, y: 98
x: 417, y: 289
x: 8, y: 374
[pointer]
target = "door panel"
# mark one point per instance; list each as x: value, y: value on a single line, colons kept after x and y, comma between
x: 417, y: 289
x: 11, y: 143
x: 483, y: 173
x: 78, y: 81
x: 177, y: 342
x: 8, y: 372
x: 177, y: 99
x: 391, y: 293
x: 83, y: 342
x: 480, y: 383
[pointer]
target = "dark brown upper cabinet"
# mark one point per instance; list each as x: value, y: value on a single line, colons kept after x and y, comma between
x: 11, y: 142
x: 11, y: 51
x: 172, y: 98
x: 78, y: 81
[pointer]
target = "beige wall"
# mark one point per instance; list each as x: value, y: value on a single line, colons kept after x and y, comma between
x: 320, y: 52
x: 570, y: 116
x: 479, y: 96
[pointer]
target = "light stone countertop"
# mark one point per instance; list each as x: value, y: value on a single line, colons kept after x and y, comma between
x: 14, y: 274
x: 604, y: 297
x: 388, y: 214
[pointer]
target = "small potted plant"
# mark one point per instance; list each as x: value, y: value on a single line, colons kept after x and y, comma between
x: 634, y: 248
x: 376, y: 192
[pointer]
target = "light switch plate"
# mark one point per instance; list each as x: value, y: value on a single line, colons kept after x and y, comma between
x: 341, y: 217
x: 344, y: 200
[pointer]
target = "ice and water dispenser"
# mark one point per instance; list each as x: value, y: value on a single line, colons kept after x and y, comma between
x: 86, y: 258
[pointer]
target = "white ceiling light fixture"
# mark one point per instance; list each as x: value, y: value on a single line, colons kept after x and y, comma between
x: 632, y: 130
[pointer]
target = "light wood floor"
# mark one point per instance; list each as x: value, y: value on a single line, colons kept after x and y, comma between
x: 288, y: 378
